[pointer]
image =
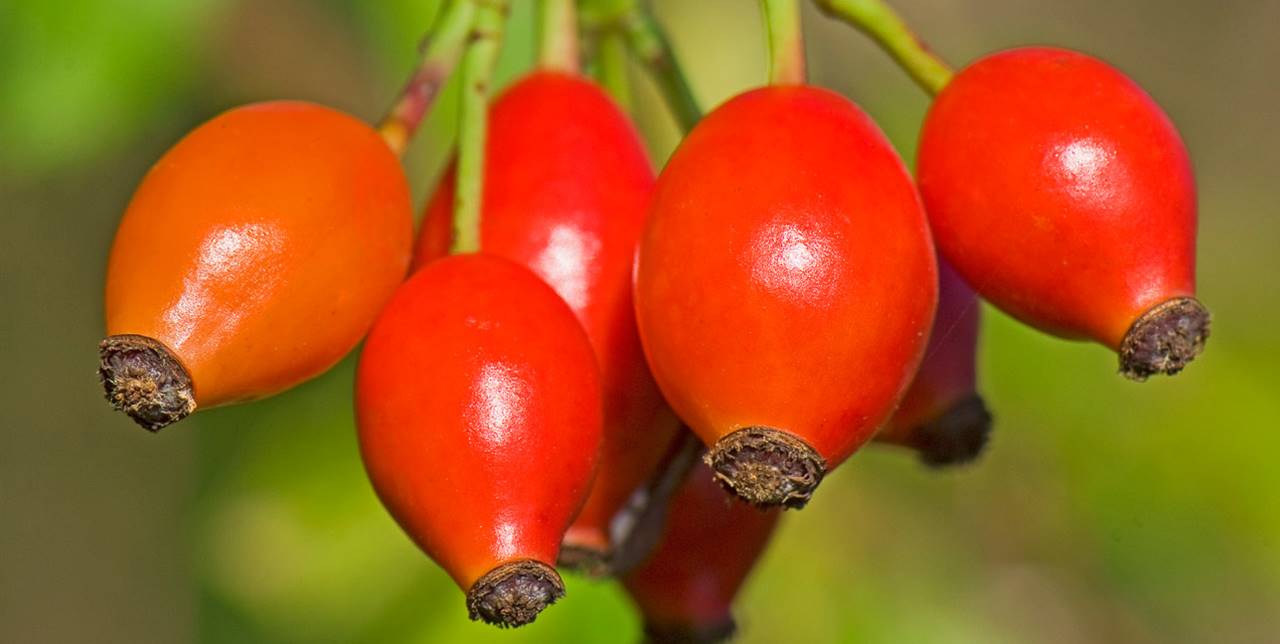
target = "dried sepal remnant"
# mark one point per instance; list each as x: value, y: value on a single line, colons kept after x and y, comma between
x: 767, y: 467
x: 1165, y: 339
x: 957, y: 437
x: 141, y: 378
x: 514, y: 593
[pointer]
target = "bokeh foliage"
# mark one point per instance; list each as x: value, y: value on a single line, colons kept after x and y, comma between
x: 1105, y: 511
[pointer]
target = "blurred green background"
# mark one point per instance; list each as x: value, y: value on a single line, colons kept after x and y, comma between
x: 1104, y: 511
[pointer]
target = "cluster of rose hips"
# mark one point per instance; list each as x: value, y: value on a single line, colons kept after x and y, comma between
x: 774, y: 291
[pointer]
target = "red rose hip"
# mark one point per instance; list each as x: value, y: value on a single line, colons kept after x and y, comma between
x: 567, y: 188
x: 941, y: 416
x: 709, y: 545
x: 1063, y: 194
x: 785, y: 287
x: 478, y: 406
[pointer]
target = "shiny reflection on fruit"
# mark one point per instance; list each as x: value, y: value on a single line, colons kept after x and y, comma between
x: 496, y: 405
x: 506, y: 538
x: 790, y: 261
x: 1089, y: 171
x: 227, y: 255
x: 565, y: 261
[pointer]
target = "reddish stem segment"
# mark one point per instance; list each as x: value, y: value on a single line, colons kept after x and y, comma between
x: 444, y: 46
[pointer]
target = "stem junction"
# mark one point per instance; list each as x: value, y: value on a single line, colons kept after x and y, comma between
x: 786, y: 41
x: 558, y: 36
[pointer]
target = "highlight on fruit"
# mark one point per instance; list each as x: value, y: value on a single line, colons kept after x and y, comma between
x: 628, y: 367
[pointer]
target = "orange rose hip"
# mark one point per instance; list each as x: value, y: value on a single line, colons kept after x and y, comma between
x: 254, y: 255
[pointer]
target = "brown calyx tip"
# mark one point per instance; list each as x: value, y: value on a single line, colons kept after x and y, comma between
x: 584, y: 560
x: 956, y: 437
x: 767, y: 467
x: 721, y: 631
x: 141, y: 378
x: 1164, y: 339
x: 514, y: 593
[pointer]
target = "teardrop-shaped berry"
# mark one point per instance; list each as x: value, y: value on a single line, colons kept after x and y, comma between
x: 254, y: 255
x: 1063, y: 194
x: 567, y: 188
x: 785, y: 286
x: 711, y: 541
x: 478, y: 405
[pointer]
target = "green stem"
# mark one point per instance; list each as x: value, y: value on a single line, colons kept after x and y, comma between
x: 650, y: 45
x: 558, y: 36
x: 445, y: 43
x: 879, y: 21
x: 611, y: 67
x: 786, y: 41
x: 477, y: 73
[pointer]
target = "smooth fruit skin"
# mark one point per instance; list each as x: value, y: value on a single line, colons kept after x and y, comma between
x: 711, y: 541
x: 567, y: 189
x: 941, y: 416
x: 478, y: 408
x: 259, y: 249
x: 786, y: 278
x: 1060, y: 191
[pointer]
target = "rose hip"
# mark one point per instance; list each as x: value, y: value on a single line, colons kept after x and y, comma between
x: 710, y: 543
x: 567, y: 187
x: 1059, y: 189
x: 785, y: 287
x: 254, y: 255
x: 478, y: 406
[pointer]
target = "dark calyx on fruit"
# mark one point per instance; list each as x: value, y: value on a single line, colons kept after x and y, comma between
x: 689, y: 633
x: 956, y: 437
x: 584, y: 560
x: 1164, y: 339
x: 767, y: 467
x: 141, y: 378
x: 514, y: 593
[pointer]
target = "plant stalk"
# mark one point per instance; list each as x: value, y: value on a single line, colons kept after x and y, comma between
x: 610, y: 62
x: 558, y: 36
x: 444, y: 45
x: 786, y: 41
x: 879, y: 21
x: 478, y: 62
x: 649, y: 44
